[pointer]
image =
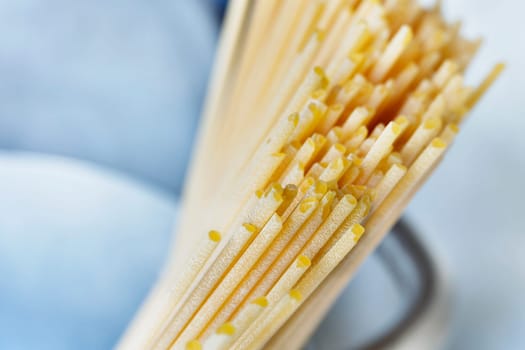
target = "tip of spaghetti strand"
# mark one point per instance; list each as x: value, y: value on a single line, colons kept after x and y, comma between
x: 308, y: 204
x: 401, y: 120
x: 321, y: 74
x: 350, y: 199
x: 226, y: 329
x: 340, y: 147
x: 454, y: 127
x: 249, y: 227
x: 303, y: 261
x: 294, y: 118
x: 438, y: 143
x: 319, y: 71
x: 356, y: 57
x: 400, y: 167
x: 296, y: 294
x: 486, y: 84
x: 321, y: 187
x: 277, y: 190
x: 358, y: 231
x: 408, y: 34
x: 215, y: 236
x: 396, y: 128
x: 318, y: 94
x: 310, y: 143
x: 319, y: 139
x: 432, y: 123
x: 308, y: 181
x: 320, y: 34
x: 261, y: 301
x: 193, y: 345
x: 336, y: 107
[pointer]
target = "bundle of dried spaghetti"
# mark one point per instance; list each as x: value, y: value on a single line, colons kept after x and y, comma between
x: 323, y: 119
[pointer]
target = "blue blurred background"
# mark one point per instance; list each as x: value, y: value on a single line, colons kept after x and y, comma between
x: 116, y: 83
x: 99, y: 102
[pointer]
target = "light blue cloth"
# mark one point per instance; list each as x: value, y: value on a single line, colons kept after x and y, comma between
x: 79, y: 248
x: 119, y: 83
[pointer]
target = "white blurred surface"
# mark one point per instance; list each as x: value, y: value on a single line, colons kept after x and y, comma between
x: 472, y: 212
